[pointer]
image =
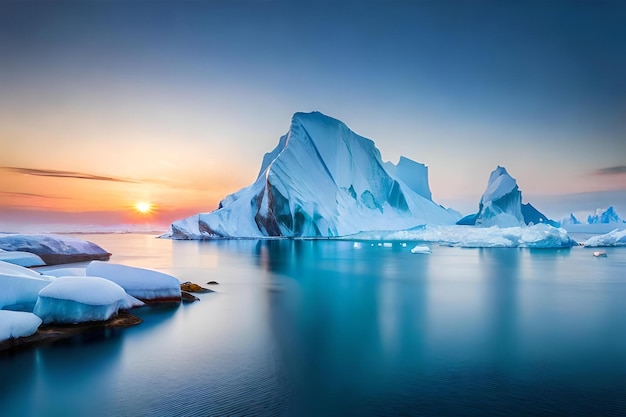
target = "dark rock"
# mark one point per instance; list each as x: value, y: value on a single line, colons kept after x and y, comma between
x: 192, y: 287
x: 213, y: 283
x: 187, y: 297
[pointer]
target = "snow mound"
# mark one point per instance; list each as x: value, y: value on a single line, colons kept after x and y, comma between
x: 80, y: 299
x: 536, y: 236
x: 615, y: 238
x: 14, y: 324
x: 19, y: 286
x: 21, y: 258
x: 321, y: 180
x: 54, y: 249
x: 141, y: 283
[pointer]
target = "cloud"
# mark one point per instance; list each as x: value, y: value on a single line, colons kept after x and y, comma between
x: 620, y: 169
x: 64, y: 174
x: 34, y: 195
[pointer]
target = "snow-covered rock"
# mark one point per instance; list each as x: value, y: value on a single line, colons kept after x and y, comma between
x: 80, y: 299
x: 501, y: 205
x: 615, y: 238
x: 536, y: 236
x: 21, y: 258
x: 604, y: 216
x: 14, y: 324
x: 53, y: 249
x: 141, y: 283
x: 321, y: 180
x: 19, y: 286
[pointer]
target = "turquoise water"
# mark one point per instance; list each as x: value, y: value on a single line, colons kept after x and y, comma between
x: 326, y: 328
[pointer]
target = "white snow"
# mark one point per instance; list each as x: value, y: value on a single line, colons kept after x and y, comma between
x: 15, y: 324
x: 421, y: 249
x: 615, y: 238
x: 536, y: 236
x: 321, y: 180
x: 20, y: 286
x: 141, y: 283
x: 21, y: 258
x: 80, y: 299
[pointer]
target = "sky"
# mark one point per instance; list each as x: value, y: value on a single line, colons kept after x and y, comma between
x: 104, y: 104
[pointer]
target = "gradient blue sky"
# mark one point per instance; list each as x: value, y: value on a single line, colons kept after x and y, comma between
x: 176, y: 102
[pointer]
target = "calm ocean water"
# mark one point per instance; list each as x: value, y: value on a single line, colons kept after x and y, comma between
x: 324, y: 328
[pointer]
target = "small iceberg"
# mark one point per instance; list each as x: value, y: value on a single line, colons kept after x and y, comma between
x: 421, y: 249
x: 599, y: 254
x: 615, y: 238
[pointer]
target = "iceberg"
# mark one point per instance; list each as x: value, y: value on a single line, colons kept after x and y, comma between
x: 80, y: 299
x: 569, y: 220
x: 501, y: 205
x: 14, y: 324
x: 19, y: 286
x: 20, y: 258
x: 604, y: 216
x: 536, y: 236
x: 53, y: 249
x: 321, y: 180
x: 144, y: 284
x: 615, y: 238
x: 421, y: 249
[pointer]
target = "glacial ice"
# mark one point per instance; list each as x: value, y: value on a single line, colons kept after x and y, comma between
x: 26, y: 259
x: 19, y: 286
x: 144, y: 284
x: 79, y: 299
x: 501, y: 205
x: 536, y: 236
x: 604, y: 216
x: 14, y: 324
x: 53, y: 249
x: 616, y: 237
x: 421, y: 249
x: 321, y: 180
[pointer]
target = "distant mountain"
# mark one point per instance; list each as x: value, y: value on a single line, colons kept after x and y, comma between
x: 501, y: 205
x: 321, y: 180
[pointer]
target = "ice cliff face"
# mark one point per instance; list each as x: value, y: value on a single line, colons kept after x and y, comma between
x: 501, y: 205
x: 321, y: 180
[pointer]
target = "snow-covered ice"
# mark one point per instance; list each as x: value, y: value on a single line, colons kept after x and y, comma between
x: 19, y: 286
x: 21, y: 258
x: 53, y: 249
x: 80, y: 299
x: 141, y: 283
x: 14, y: 324
x: 321, y: 180
x: 616, y: 237
x: 67, y: 272
x: 421, y: 249
x: 536, y: 236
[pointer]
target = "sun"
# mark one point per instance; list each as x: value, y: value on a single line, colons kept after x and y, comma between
x: 144, y: 207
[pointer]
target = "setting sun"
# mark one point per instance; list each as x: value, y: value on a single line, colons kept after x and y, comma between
x: 143, y: 207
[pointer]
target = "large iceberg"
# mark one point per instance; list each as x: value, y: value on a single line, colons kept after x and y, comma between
x: 537, y: 236
x: 604, y: 216
x: 53, y: 249
x: 321, y: 180
x: 80, y: 299
x: 501, y: 205
x: 615, y: 238
x: 19, y: 286
x: 144, y: 284
x: 14, y: 324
